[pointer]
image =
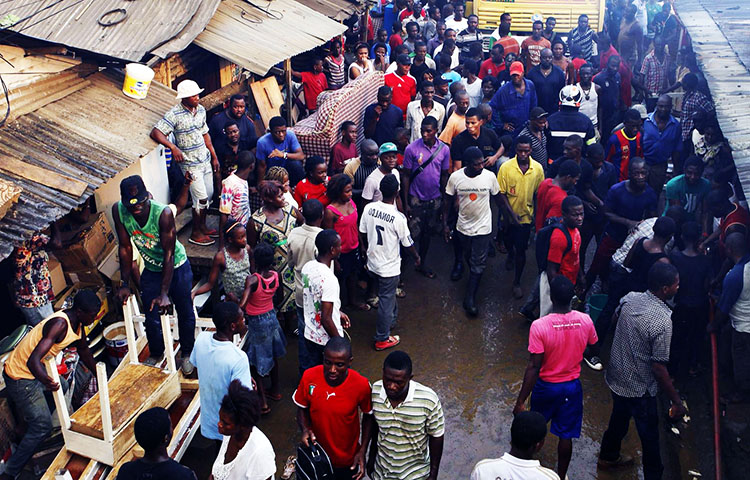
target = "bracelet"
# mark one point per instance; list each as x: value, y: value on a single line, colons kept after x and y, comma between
x: 284, y: 155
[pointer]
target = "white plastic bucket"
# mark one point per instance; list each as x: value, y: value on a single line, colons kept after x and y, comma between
x: 137, y: 80
x: 116, y: 343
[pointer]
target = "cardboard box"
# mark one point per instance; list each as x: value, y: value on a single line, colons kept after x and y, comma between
x: 88, y: 277
x: 110, y: 266
x: 56, y: 275
x: 89, y: 247
x: 66, y: 299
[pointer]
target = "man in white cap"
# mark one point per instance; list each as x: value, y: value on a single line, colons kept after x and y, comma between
x: 193, y: 152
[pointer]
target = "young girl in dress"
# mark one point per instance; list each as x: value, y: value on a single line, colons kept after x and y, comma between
x: 265, y: 340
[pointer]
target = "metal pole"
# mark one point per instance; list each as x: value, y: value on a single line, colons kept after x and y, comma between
x: 289, y: 92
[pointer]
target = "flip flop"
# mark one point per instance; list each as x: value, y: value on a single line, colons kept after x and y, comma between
x: 273, y: 397
x: 213, y: 233
x: 265, y: 410
x: 373, y: 302
x: 426, y: 272
x: 202, y: 243
x: 363, y: 307
x: 400, y: 292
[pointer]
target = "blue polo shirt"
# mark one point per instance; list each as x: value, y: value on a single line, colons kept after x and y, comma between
x: 658, y: 146
x: 510, y: 107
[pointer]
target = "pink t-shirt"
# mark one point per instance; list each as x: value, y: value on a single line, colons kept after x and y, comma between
x: 562, y: 338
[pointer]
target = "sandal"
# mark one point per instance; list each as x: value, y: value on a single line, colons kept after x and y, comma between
x: 202, y: 243
x: 265, y: 410
x: 373, y: 302
x: 289, y: 468
x: 363, y: 307
x: 426, y: 272
x: 273, y: 397
x: 400, y: 292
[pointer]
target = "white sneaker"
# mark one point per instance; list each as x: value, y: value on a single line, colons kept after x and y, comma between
x: 594, y: 363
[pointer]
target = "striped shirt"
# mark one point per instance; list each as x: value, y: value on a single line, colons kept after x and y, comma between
x: 584, y: 39
x: 403, y: 432
x: 188, y: 130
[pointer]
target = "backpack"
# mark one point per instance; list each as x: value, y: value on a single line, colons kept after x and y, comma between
x: 543, y: 238
x: 312, y: 463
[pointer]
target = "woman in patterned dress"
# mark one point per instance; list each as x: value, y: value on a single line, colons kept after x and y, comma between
x: 271, y: 224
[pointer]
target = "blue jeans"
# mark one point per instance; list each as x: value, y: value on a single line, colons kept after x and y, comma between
x: 387, y: 307
x: 28, y: 398
x: 179, y: 292
x: 34, y: 315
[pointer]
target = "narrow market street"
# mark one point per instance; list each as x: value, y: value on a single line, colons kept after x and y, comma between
x: 476, y: 366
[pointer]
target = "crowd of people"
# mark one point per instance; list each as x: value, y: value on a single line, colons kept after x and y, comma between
x: 553, y: 140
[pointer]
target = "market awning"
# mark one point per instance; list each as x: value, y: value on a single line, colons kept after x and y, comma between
x: 259, y: 34
x: 336, y: 9
x: 718, y: 30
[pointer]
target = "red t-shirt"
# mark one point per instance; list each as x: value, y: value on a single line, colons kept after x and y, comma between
x: 738, y: 216
x: 341, y: 155
x: 313, y: 84
x: 570, y: 262
x: 307, y: 191
x: 577, y: 64
x: 549, y: 198
x: 404, y: 89
x: 395, y: 40
x: 334, y: 411
x: 490, y: 68
x: 510, y: 45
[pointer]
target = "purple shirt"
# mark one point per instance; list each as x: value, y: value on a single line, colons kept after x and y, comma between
x: 426, y: 186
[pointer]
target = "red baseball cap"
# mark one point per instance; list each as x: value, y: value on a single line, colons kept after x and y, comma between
x: 516, y: 68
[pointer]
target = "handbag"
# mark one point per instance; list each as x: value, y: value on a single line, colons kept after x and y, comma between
x: 312, y: 463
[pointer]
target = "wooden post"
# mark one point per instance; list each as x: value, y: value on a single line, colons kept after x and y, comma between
x: 58, y: 395
x: 366, y: 21
x: 101, y: 378
x: 289, y: 90
x: 130, y: 330
x: 166, y: 330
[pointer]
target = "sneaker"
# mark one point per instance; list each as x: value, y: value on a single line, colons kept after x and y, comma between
x: 152, y: 361
x: 621, y: 461
x: 594, y: 363
x: 187, y: 367
x: 392, y: 341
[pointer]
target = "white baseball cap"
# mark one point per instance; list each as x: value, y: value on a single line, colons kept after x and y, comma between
x: 187, y: 88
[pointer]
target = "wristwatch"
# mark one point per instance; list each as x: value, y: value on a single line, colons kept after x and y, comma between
x: 284, y: 155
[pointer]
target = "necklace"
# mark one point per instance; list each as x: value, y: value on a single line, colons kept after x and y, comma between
x: 587, y: 93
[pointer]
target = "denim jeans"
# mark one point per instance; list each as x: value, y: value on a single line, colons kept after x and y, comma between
x: 34, y: 315
x: 179, y: 292
x: 387, y: 307
x: 28, y: 398
x: 643, y: 410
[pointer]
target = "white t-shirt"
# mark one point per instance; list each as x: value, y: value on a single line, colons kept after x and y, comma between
x: 474, y: 212
x: 386, y: 229
x: 319, y: 284
x: 457, y: 26
x: 474, y: 90
x: 371, y: 190
x: 256, y: 460
x: 509, y: 467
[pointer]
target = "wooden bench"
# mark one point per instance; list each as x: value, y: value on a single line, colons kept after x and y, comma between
x: 102, y: 429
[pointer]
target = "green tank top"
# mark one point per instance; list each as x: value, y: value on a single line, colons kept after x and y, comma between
x: 146, y: 238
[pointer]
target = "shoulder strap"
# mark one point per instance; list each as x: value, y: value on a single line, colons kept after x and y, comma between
x: 421, y: 168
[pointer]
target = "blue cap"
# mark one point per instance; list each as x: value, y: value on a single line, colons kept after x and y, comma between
x: 387, y: 147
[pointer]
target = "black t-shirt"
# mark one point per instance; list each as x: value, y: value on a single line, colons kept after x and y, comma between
x: 584, y: 181
x: 694, y: 271
x: 641, y: 263
x: 246, y: 126
x: 141, y: 470
x: 488, y: 142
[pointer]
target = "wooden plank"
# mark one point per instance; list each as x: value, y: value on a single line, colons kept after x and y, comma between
x: 128, y: 392
x: 46, y: 177
x: 267, y: 98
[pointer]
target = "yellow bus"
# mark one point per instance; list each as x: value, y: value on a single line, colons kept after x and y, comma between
x: 566, y: 13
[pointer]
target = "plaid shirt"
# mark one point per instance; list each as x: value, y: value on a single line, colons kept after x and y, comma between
x: 642, y: 337
x: 654, y: 73
x: 188, y: 130
x: 692, y: 102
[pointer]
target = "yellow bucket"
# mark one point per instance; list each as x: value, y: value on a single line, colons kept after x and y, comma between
x: 137, y: 80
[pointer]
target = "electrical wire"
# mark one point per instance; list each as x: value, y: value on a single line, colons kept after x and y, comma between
x: 273, y: 14
x: 5, y: 91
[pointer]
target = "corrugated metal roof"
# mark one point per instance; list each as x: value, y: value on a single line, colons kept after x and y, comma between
x: 257, y: 36
x: 149, y: 23
x: 205, y: 12
x: 66, y: 136
x: 718, y: 30
x: 336, y: 9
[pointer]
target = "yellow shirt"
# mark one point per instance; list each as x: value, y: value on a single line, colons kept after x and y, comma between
x: 520, y: 188
x: 15, y: 366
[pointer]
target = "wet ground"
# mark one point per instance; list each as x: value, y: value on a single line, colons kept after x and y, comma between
x: 476, y: 367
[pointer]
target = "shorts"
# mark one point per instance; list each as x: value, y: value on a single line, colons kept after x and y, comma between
x: 562, y: 403
x: 425, y: 216
x: 350, y: 262
x: 202, y: 186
